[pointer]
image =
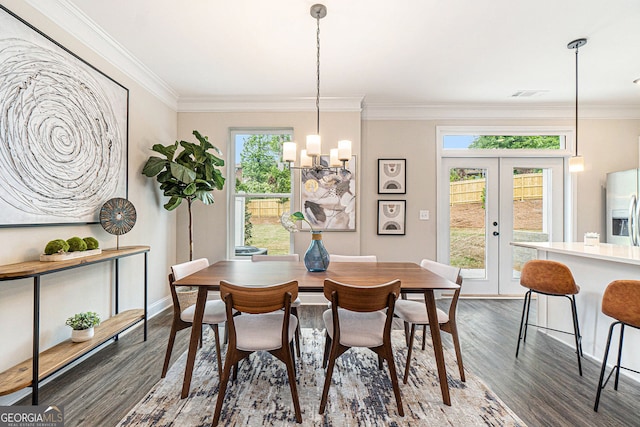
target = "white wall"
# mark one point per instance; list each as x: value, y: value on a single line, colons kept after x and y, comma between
x: 88, y: 288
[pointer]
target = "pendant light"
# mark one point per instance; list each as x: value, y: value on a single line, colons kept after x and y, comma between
x: 310, y: 157
x: 576, y: 163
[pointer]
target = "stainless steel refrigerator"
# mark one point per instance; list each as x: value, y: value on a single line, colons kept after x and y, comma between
x: 623, y: 207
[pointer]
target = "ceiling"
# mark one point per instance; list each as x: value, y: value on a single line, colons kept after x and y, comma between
x: 401, y: 52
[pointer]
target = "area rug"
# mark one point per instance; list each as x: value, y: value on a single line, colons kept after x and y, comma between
x: 360, y: 394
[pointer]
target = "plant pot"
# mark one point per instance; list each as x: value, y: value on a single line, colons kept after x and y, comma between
x: 316, y: 258
x: 80, y: 335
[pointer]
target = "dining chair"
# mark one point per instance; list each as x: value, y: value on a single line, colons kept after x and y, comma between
x: 266, y: 324
x: 549, y: 278
x: 415, y: 313
x: 621, y: 300
x: 297, y: 302
x: 184, y: 308
x: 357, y: 318
x: 352, y: 258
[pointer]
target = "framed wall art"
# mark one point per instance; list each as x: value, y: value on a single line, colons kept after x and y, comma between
x: 328, y: 197
x: 63, y: 131
x: 392, y: 176
x: 392, y: 215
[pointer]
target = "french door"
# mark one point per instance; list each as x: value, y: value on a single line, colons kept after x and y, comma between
x: 485, y: 204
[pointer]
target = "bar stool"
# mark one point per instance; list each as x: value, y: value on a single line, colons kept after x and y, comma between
x: 549, y: 278
x: 621, y: 300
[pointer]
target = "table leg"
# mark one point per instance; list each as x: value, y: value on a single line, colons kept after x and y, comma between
x: 196, y: 330
x: 430, y: 301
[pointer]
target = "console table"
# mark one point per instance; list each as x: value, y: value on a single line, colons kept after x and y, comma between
x: 30, y: 372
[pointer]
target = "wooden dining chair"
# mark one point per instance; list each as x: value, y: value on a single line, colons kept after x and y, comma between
x: 297, y: 302
x: 266, y: 324
x: 184, y: 308
x: 415, y: 313
x: 352, y: 258
x: 357, y: 318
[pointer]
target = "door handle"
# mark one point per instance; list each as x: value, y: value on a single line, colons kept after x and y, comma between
x: 495, y: 233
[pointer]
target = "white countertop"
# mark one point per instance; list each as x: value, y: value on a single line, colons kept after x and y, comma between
x: 603, y: 251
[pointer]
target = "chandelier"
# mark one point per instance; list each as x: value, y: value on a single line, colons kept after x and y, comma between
x: 310, y: 156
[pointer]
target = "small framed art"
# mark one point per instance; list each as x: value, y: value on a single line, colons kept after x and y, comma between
x: 392, y: 215
x: 392, y: 176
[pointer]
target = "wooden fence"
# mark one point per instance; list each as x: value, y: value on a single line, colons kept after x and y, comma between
x: 266, y: 208
x: 525, y: 187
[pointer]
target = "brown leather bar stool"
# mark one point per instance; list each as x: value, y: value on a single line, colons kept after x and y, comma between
x: 553, y: 279
x: 621, y: 300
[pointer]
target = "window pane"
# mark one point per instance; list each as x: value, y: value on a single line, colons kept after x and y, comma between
x: 263, y: 193
x: 503, y: 142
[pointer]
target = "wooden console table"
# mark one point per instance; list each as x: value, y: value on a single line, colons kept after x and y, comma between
x: 30, y: 372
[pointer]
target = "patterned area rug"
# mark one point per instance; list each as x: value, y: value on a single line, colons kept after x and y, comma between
x: 360, y: 394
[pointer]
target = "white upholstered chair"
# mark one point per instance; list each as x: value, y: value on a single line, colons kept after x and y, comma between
x: 415, y: 313
x: 352, y: 258
x: 184, y: 309
x: 297, y: 302
x: 266, y: 324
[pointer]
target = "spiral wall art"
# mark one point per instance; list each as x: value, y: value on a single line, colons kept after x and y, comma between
x: 63, y: 131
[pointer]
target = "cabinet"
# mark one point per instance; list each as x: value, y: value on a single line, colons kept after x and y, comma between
x: 42, y: 365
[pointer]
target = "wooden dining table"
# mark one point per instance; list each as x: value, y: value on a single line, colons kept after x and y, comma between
x: 413, y: 278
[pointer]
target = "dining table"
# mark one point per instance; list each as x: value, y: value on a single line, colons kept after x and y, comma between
x: 414, y: 280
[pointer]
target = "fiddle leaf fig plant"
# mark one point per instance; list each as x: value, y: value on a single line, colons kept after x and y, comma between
x: 191, y: 174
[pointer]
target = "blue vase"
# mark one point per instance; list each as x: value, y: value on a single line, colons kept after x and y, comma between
x: 316, y: 258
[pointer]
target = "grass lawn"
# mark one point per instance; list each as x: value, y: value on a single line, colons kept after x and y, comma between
x: 271, y: 236
x: 467, y: 247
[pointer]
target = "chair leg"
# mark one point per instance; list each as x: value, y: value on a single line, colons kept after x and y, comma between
x: 327, y: 350
x: 409, y: 348
x: 524, y: 311
x: 406, y: 333
x: 424, y: 336
x: 216, y: 332
x: 224, y: 379
x: 576, y: 332
x: 291, y: 372
x: 388, y: 355
x: 167, y: 357
x: 456, y: 345
x: 604, y: 366
x: 619, y: 365
x: 380, y: 367
x: 327, y: 379
x: 526, y: 323
x: 294, y: 311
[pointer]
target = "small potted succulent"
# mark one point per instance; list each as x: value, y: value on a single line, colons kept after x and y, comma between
x: 82, y: 325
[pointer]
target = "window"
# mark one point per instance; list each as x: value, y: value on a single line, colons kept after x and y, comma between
x: 260, y: 192
x: 502, y: 142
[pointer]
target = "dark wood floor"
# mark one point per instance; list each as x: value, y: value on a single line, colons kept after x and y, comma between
x: 542, y: 386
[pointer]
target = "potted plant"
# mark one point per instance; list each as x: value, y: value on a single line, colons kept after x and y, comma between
x: 191, y: 175
x: 82, y: 325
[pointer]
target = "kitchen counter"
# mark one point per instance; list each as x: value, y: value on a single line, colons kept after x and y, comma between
x: 593, y: 268
x: 603, y: 251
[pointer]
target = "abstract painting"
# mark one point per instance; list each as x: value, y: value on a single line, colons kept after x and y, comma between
x: 392, y: 176
x: 328, y: 197
x: 63, y: 131
x: 392, y: 215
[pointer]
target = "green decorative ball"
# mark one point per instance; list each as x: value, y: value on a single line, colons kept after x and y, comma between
x: 56, y: 246
x: 76, y: 244
x: 91, y: 242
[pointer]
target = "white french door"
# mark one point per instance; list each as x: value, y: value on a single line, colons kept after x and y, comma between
x: 484, y: 204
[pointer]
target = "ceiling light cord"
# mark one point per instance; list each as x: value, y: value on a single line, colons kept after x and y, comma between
x: 318, y: 75
x: 577, y: 48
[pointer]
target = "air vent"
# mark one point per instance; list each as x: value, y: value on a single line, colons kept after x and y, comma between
x: 528, y: 93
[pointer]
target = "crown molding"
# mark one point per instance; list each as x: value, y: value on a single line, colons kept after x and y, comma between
x: 372, y: 111
x: 262, y: 104
x: 67, y: 16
